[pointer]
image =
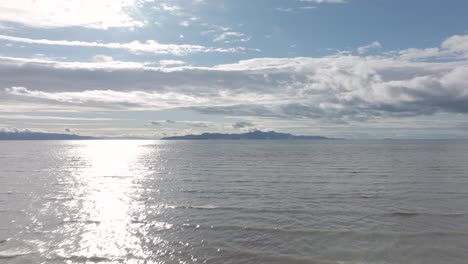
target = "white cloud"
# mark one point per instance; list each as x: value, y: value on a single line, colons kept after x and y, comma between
x: 184, y: 23
x: 285, y: 9
x: 324, y: 1
x: 366, y: 48
x: 168, y: 63
x: 231, y: 36
x: 100, y: 14
x: 149, y: 46
x: 103, y: 58
x: 339, y: 88
x: 13, y: 130
x: 308, y: 7
x: 293, y: 10
x: 454, y: 47
x: 168, y: 8
x: 183, y: 11
x: 130, y: 99
x: 419, y: 53
x: 101, y: 62
x: 43, y: 117
x: 457, y: 44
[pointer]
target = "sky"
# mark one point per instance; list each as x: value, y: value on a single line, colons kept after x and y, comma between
x: 364, y: 69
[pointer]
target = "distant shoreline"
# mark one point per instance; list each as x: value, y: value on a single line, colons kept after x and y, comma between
x: 254, y: 135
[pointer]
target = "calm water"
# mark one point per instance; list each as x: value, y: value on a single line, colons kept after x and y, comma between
x: 234, y: 202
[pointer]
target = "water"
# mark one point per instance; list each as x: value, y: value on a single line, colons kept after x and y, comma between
x: 234, y: 202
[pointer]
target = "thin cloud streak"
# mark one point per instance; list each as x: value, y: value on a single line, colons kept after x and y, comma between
x: 324, y: 1
x: 149, y: 46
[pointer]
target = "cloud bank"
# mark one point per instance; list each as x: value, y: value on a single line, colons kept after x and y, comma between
x: 337, y: 88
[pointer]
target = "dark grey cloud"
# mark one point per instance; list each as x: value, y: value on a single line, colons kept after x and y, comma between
x: 198, y: 124
x: 243, y: 124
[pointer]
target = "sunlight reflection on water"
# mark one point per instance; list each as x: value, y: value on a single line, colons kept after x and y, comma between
x: 108, y: 187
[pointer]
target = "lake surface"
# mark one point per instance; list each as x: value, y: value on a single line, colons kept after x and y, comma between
x: 234, y: 202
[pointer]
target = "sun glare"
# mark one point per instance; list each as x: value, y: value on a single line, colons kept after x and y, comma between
x: 108, y: 188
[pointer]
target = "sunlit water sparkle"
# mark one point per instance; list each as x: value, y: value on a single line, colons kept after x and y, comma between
x: 233, y: 202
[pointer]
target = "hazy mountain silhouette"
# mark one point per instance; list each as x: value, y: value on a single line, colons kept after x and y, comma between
x: 271, y: 135
x: 30, y: 135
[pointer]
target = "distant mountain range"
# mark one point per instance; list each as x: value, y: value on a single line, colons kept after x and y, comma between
x: 30, y: 135
x: 271, y: 135
x: 257, y: 135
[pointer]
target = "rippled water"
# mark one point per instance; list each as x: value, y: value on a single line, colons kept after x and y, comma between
x: 234, y: 202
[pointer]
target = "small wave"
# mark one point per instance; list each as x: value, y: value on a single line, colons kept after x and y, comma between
x: 354, y: 195
x: 406, y: 214
x: 13, y: 253
x: 138, y: 222
x: 244, y: 209
x: 412, y: 214
x: 87, y: 259
x: 117, y: 176
x: 59, y: 198
x: 208, y: 206
x: 200, y: 207
x: 191, y: 191
x: 81, y: 222
x: 454, y: 215
x: 368, y: 196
